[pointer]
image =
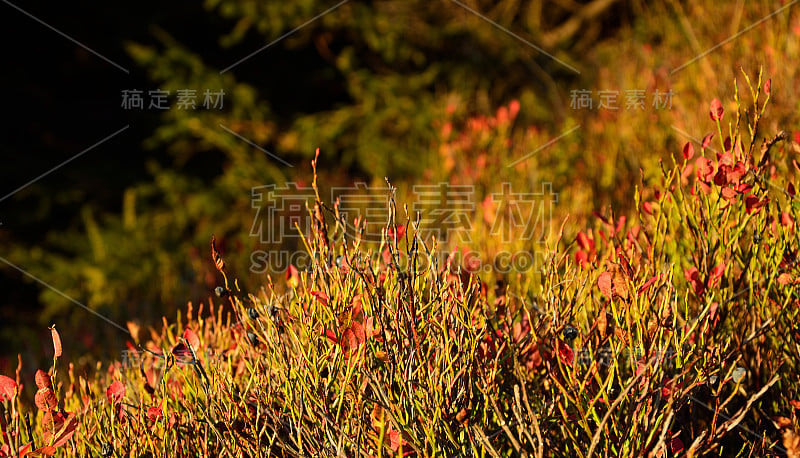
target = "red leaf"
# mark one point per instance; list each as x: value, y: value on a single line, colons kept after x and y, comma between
x: 707, y: 140
x: 716, y: 274
x: 712, y: 311
x: 753, y: 204
x: 768, y: 87
x: 513, y: 108
x: 676, y: 446
x: 8, y: 388
x: 688, y: 151
x: 173, y: 420
x: 53, y: 421
x: 192, y: 338
x: 704, y: 169
x: 670, y: 385
x: 585, y: 242
x: 115, y: 392
x: 56, y: 341
x: 394, y: 439
x: 43, y: 379
x: 717, y: 112
x: 620, y: 224
x: 45, y: 399
x: 790, y: 189
x: 729, y: 194
x: 358, y: 332
x: 181, y: 351
x: 693, y: 277
x: 647, y: 284
x: 67, y: 431
x: 320, y: 296
x: 401, y: 232
x: 565, y: 353
x: 331, y: 335
x: 604, y: 283
x: 581, y: 258
x: 154, y: 413
x: 725, y: 158
x: 784, y: 279
x: 22, y: 450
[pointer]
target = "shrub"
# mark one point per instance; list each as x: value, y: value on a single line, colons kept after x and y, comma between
x: 667, y: 333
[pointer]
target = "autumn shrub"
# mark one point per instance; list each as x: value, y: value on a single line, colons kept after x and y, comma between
x: 666, y: 332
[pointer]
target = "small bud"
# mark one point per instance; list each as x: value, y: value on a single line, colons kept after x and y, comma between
x: 272, y: 310
x: 570, y: 333
x: 252, y: 338
x: 339, y: 261
x: 757, y: 238
x: 252, y: 313
x: 220, y: 291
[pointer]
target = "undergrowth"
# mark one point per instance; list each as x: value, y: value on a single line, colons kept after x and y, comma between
x: 669, y: 332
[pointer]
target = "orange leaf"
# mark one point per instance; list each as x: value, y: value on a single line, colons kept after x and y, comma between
x: 782, y: 422
x: 784, y: 279
x: 293, y: 276
x: 43, y: 451
x: 791, y: 442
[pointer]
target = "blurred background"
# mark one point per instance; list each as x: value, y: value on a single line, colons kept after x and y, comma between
x: 112, y: 183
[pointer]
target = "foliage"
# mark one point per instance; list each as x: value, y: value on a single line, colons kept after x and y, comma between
x: 668, y: 333
x: 371, y: 83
